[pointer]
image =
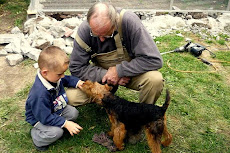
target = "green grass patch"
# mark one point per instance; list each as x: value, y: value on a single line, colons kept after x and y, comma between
x: 221, y: 42
x: 17, y: 10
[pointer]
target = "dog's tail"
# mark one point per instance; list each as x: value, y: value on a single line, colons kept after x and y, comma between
x: 167, y: 100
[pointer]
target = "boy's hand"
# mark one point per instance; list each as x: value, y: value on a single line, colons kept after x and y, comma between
x: 80, y: 83
x: 72, y: 127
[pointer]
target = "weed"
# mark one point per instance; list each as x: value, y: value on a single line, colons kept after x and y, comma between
x: 221, y: 42
x: 224, y: 36
x: 27, y: 62
x: 209, y: 41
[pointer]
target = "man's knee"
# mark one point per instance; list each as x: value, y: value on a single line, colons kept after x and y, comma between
x: 153, y: 79
x: 76, y: 97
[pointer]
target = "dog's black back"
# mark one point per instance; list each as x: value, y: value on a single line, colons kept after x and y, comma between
x: 134, y: 115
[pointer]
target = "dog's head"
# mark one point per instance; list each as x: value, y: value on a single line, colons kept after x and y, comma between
x: 96, y: 91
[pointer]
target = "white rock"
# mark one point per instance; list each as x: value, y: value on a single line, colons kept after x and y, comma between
x: 57, y: 31
x: 14, y: 59
x: 7, y: 38
x: 180, y: 35
x: 25, y: 47
x: 39, y: 38
x: 35, y: 65
x: 68, y: 50
x: 34, y: 54
x: 60, y: 42
x: 30, y: 25
x: 14, y: 46
x: 9, y: 48
x: 15, y: 30
x: 3, y: 52
x: 47, y: 22
x: 224, y: 19
x: 69, y: 41
x: 71, y: 22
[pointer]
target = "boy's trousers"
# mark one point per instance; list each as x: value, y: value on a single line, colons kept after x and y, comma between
x: 43, y: 135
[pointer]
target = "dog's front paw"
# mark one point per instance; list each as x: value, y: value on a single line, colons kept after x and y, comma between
x: 120, y: 147
x: 167, y: 140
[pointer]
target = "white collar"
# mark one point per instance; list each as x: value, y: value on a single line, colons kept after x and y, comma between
x: 45, y: 82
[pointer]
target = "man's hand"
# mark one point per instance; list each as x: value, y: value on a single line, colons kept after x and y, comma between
x: 111, y: 77
x: 72, y: 127
x: 123, y: 81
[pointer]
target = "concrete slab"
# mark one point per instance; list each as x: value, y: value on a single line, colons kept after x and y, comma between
x: 7, y: 38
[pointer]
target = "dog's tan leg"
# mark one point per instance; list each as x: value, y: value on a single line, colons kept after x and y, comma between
x: 119, y: 136
x: 113, y: 122
x: 167, y: 137
x: 153, y: 141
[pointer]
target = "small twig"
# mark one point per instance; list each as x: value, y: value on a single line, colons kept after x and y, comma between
x: 227, y: 46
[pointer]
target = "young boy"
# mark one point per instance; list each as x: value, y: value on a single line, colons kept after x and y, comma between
x: 47, y: 108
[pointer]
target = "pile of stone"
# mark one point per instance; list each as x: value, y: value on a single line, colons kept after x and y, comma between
x: 204, y: 24
x: 43, y: 31
x: 39, y: 33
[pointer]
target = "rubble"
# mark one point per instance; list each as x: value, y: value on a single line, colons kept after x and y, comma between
x: 7, y: 38
x: 43, y: 31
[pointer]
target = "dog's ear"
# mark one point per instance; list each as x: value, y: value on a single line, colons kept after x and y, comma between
x: 87, y: 85
x: 109, y: 88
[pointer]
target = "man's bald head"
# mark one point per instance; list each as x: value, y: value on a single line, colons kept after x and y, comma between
x: 102, y: 14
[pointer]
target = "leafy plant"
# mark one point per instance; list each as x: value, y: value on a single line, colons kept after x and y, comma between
x: 221, y: 42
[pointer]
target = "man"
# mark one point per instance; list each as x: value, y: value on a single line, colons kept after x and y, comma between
x: 114, y: 47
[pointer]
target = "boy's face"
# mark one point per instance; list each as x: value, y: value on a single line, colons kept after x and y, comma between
x: 54, y: 76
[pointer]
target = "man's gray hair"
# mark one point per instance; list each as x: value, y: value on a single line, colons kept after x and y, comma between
x: 112, y: 12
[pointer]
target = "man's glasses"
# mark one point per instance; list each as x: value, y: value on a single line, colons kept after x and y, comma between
x: 93, y: 35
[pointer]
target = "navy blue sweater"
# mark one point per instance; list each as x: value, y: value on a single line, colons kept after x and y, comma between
x: 45, y: 103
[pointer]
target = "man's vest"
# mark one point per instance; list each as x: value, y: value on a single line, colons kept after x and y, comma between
x: 111, y: 58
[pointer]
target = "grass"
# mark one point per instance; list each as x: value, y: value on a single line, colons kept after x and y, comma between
x: 16, y: 10
x: 198, y: 116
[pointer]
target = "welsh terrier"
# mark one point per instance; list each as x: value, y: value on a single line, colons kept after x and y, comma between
x: 130, y: 116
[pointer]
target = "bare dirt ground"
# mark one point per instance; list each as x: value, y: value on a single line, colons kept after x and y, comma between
x: 12, y: 78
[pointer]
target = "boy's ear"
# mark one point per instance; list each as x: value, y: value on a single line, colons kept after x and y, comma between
x: 44, y: 72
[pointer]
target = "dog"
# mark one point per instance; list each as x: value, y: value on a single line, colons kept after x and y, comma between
x: 131, y: 117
